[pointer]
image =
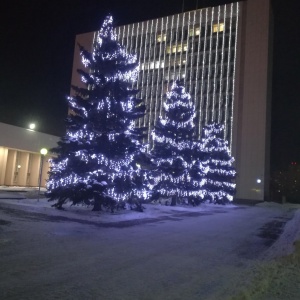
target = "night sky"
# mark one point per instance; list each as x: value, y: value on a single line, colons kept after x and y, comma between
x: 36, y: 56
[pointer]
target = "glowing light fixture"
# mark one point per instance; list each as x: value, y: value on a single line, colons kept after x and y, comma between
x: 43, y: 151
x: 32, y: 126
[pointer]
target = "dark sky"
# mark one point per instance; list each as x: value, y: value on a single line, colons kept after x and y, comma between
x: 36, y: 55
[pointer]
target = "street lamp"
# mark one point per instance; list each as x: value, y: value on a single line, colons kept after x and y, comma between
x: 43, y: 152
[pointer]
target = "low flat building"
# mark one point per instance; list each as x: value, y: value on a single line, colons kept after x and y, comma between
x: 20, y: 157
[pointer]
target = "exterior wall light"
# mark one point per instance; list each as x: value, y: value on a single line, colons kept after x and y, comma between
x: 31, y: 126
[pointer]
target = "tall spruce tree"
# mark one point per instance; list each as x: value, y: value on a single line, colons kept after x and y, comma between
x: 177, y: 173
x: 97, y: 157
x: 220, y: 176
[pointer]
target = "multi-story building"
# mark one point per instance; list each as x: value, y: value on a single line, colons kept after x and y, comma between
x: 222, y: 55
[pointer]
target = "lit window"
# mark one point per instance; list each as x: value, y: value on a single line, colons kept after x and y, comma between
x: 194, y: 31
x: 218, y: 27
x: 176, y: 49
x: 162, y: 37
x: 179, y: 48
x: 173, y: 49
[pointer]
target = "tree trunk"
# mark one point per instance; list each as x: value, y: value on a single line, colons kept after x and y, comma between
x: 173, y: 202
x: 59, y: 203
x: 97, y: 203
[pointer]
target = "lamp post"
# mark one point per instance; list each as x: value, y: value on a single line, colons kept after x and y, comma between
x: 43, y: 152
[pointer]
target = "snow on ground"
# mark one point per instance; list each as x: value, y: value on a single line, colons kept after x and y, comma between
x: 166, y: 253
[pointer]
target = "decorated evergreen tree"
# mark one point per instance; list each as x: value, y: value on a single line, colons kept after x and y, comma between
x: 97, y: 157
x: 177, y: 173
x: 220, y: 176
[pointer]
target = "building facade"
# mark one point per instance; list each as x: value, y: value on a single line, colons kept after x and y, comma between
x: 222, y: 56
x: 20, y: 158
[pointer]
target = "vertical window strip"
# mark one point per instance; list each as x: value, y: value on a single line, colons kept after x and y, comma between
x: 152, y: 83
x: 131, y: 39
x: 227, y: 76
x: 138, y: 54
x: 118, y: 31
x: 115, y: 33
x: 159, y: 69
x: 147, y: 85
x: 131, y: 47
x: 123, y: 35
x: 144, y: 39
x: 199, y: 98
x: 127, y: 41
x: 163, y: 70
x: 182, y: 36
x: 140, y: 76
x: 202, y: 75
x: 233, y: 77
x: 222, y: 67
x: 216, y: 66
x: 176, y: 48
x: 209, y: 68
x: 143, y: 74
x: 186, y: 56
x: 120, y: 34
x: 192, y: 54
x: 171, y: 36
x: 191, y: 63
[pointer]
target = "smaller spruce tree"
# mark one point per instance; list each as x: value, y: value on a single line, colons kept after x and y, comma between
x: 220, y: 173
x: 176, y: 174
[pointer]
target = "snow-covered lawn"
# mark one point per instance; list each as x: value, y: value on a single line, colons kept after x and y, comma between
x: 165, y: 253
